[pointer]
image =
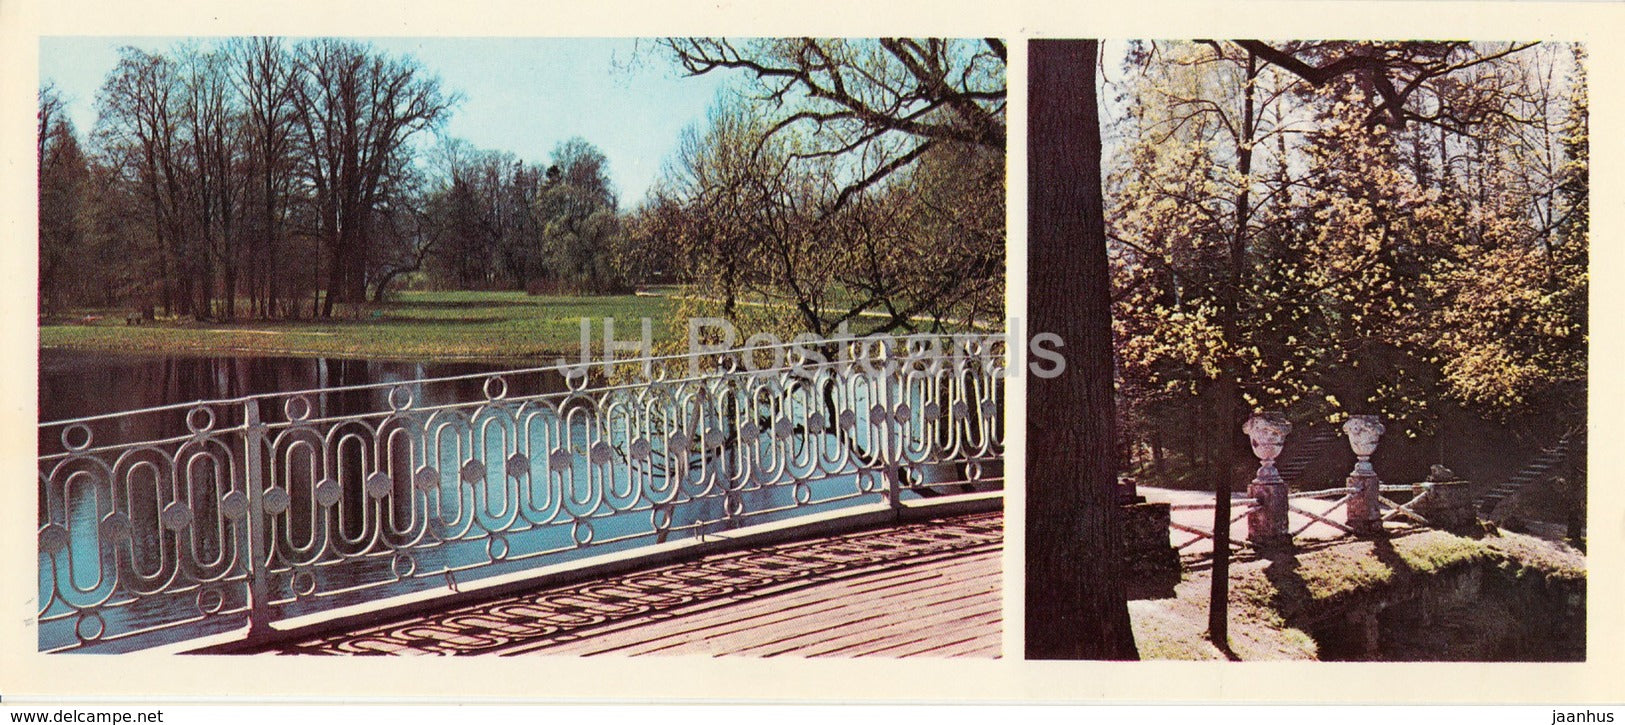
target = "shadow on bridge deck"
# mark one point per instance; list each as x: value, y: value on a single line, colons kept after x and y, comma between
x: 927, y: 589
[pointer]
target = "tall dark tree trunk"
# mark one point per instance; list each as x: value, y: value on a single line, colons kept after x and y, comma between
x: 322, y: 305
x: 231, y: 291
x: 356, y: 282
x: 1159, y: 462
x: 1229, y: 390
x: 1077, y: 602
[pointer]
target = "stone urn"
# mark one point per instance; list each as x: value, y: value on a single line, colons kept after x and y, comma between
x: 1364, y: 509
x: 1267, y: 432
x: 1363, y: 432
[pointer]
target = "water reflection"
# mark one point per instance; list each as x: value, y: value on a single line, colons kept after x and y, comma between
x: 76, y: 383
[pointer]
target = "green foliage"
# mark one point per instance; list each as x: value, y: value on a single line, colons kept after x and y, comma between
x: 1359, y: 265
x: 1513, y: 337
x: 1329, y: 576
x: 580, y: 225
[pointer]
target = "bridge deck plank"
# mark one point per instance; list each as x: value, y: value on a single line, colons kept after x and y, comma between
x: 942, y: 608
x: 929, y: 589
x: 882, y: 606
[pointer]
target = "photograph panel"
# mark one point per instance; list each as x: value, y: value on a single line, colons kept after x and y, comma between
x: 1317, y: 375
x: 521, y: 345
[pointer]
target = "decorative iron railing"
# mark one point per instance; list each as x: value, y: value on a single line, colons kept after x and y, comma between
x: 183, y: 520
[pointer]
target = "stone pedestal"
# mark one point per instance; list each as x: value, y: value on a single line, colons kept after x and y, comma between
x: 1150, y: 562
x: 1446, y: 505
x: 1267, y: 522
x: 1364, y: 510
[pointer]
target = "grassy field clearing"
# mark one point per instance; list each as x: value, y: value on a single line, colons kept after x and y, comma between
x: 413, y: 326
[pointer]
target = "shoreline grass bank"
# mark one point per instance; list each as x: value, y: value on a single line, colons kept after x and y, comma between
x: 413, y: 326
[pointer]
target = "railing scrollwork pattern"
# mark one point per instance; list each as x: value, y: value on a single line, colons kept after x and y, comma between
x: 272, y: 506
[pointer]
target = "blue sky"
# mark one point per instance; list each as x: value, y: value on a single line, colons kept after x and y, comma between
x: 523, y: 95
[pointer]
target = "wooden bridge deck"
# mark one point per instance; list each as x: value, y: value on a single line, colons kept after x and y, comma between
x: 930, y: 589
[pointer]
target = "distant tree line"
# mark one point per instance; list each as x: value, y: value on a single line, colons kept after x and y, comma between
x: 267, y: 178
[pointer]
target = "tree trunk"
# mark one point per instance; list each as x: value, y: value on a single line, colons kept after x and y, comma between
x: 388, y: 276
x: 1158, y: 456
x: 1230, y: 373
x: 231, y: 291
x: 1077, y: 603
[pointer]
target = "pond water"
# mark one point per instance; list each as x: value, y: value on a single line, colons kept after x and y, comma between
x: 77, y: 383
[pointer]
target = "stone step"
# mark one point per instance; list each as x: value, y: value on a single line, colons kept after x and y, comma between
x: 1537, y: 469
x: 1313, y: 447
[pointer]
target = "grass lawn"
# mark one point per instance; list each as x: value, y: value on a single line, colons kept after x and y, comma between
x: 1272, y: 601
x: 414, y: 326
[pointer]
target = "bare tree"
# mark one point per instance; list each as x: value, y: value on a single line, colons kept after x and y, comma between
x: 357, y: 110
x: 210, y: 145
x: 264, y: 79
x: 63, y: 187
x: 50, y: 112
x: 138, y: 127
x: 1400, y: 76
x: 768, y: 238
x: 884, y: 103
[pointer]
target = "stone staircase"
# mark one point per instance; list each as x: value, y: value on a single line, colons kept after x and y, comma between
x: 1538, y: 469
x: 1315, y: 444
